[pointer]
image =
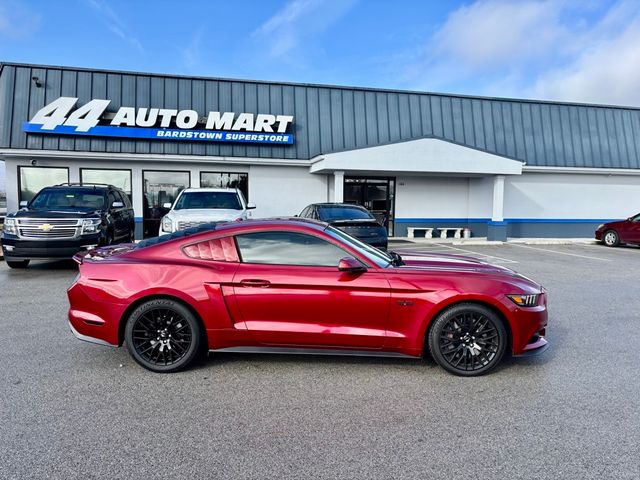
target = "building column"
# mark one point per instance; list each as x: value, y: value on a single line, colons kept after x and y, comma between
x: 497, y: 227
x: 338, y: 187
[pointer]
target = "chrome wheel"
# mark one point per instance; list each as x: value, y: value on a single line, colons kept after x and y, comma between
x: 611, y: 238
x: 162, y: 335
x: 468, y: 339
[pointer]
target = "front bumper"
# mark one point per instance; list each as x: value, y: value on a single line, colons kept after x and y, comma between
x: 599, y: 234
x: 15, y: 248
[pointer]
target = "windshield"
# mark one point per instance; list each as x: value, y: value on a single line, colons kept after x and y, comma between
x: 68, y: 199
x: 378, y: 257
x: 226, y: 200
x: 330, y: 213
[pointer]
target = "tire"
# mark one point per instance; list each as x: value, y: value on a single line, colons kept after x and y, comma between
x: 611, y: 238
x: 468, y: 339
x: 18, y: 263
x: 163, y: 335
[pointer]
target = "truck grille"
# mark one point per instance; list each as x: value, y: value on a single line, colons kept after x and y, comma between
x: 48, y: 228
x: 185, y: 225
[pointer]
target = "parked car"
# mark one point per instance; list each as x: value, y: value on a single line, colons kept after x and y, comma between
x: 352, y: 219
x: 197, y: 206
x: 613, y: 234
x: 64, y: 219
x: 299, y: 286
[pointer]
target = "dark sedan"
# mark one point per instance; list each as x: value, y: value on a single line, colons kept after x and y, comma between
x: 352, y: 219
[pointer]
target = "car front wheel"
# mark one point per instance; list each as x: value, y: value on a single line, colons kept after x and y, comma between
x: 468, y: 339
x: 611, y: 238
x: 163, y: 335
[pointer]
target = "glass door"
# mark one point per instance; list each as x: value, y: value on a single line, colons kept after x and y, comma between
x: 160, y: 187
x: 375, y: 194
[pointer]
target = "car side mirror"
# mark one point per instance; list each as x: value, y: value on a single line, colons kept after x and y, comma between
x: 251, y: 206
x: 23, y: 204
x: 117, y: 205
x: 166, y: 205
x: 350, y: 264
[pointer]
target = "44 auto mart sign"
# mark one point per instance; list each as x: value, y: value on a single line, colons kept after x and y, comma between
x: 60, y: 118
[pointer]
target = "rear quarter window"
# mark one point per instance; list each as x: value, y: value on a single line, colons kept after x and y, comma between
x: 217, y: 249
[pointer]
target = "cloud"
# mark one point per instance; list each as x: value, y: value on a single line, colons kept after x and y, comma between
x: 191, y: 54
x: 297, y: 21
x: 607, y: 70
x: 560, y: 50
x: 16, y: 21
x: 115, y: 24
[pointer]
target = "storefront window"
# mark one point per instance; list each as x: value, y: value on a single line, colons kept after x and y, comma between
x: 34, y: 179
x: 160, y: 188
x: 226, y: 180
x: 117, y: 178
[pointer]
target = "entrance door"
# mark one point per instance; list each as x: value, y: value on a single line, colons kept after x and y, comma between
x: 375, y: 194
x: 160, y: 187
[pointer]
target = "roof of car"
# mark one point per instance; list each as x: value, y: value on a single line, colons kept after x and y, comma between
x: 234, y: 190
x: 333, y: 204
x: 208, y: 227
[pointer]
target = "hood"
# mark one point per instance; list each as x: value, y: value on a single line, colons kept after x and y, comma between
x: 204, y: 215
x: 450, y: 262
x: 616, y: 223
x: 460, y: 263
x: 55, y: 213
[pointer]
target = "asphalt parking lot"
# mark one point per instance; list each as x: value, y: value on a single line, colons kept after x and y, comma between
x: 69, y: 409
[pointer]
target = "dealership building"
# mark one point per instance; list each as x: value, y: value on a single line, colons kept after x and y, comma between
x: 501, y: 167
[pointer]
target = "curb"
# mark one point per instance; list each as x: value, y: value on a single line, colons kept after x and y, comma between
x: 484, y: 241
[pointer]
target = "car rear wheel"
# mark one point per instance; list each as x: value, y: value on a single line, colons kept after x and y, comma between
x: 163, y: 335
x: 18, y: 263
x: 468, y: 339
x: 611, y: 238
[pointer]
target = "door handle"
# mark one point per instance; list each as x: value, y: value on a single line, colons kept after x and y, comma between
x: 254, y: 282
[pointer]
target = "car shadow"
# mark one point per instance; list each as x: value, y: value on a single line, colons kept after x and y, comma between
x: 49, y: 265
x: 223, y: 358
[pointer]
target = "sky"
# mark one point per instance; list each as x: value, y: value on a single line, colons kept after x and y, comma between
x: 567, y: 50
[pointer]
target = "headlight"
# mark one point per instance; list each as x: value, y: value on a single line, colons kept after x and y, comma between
x: 167, y: 225
x: 10, y: 226
x: 600, y: 226
x: 525, y: 300
x: 90, y: 225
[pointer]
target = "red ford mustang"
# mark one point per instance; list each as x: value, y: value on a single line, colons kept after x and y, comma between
x: 300, y: 286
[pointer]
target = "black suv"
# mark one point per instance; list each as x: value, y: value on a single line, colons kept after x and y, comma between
x: 64, y: 219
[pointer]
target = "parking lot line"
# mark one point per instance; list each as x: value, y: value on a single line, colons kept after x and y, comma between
x: 560, y: 253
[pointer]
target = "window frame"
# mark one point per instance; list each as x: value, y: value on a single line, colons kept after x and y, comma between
x: 83, y: 169
x: 246, y: 198
x: 20, y: 167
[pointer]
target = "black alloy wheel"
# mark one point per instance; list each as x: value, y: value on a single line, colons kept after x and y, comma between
x: 468, y: 339
x: 163, y: 335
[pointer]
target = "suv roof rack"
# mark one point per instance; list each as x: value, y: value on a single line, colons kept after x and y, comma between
x: 84, y: 184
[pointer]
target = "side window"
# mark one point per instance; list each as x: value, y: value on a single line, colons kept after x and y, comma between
x: 305, y: 212
x: 218, y: 249
x: 113, y: 198
x: 124, y: 198
x: 288, y: 248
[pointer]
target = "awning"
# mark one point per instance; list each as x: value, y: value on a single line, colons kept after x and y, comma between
x: 423, y: 156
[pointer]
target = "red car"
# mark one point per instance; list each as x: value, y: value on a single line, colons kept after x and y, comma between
x: 613, y: 234
x: 300, y: 286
